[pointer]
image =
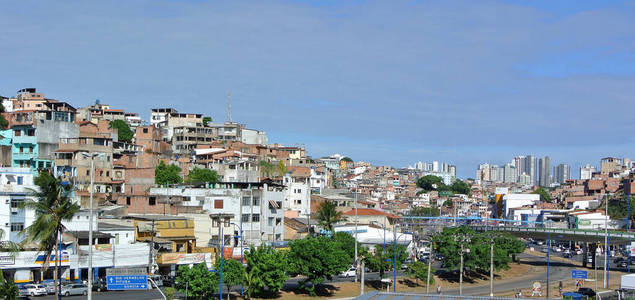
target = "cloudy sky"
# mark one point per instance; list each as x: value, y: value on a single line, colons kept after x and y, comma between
x: 390, y: 82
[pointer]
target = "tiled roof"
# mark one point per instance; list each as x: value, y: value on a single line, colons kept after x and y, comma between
x: 369, y: 212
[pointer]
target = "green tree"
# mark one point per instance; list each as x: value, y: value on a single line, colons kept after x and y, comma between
x: 164, y: 174
x: 206, y: 120
x: 3, y: 122
x: 265, y: 271
x: 430, y: 183
x: 202, y: 175
x: 52, y: 206
x: 328, y: 215
x: 544, y: 194
x: 199, y: 282
x: 266, y: 169
x: 424, y: 211
x: 448, y: 203
x: 8, y: 290
x: 123, y: 130
x: 380, y: 260
x: 347, y: 243
x: 460, y: 187
x: 347, y: 159
x: 419, y: 271
x: 233, y: 272
x: 478, y: 258
x: 318, y: 259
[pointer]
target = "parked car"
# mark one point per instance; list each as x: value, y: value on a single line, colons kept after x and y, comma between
x: 99, y: 285
x: 74, y: 289
x: 566, y: 255
x: 168, y: 280
x: 540, y: 242
x: 586, y: 292
x: 351, y: 272
x: 578, y: 251
x: 34, y: 290
x: 50, y: 287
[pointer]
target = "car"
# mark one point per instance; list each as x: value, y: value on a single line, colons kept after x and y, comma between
x: 540, y: 242
x: 351, y: 272
x: 566, y: 255
x: 586, y: 292
x: 557, y: 249
x: 545, y: 250
x: 74, y: 289
x: 619, y: 260
x: 578, y: 251
x: 50, y: 287
x: 99, y: 286
x: 622, y: 264
x: 34, y: 290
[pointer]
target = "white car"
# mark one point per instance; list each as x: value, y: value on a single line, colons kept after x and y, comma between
x: 348, y: 273
x: 578, y: 251
x: 34, y: 290
x: 557, y: 249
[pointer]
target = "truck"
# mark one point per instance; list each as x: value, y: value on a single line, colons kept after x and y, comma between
x: 628, y: 282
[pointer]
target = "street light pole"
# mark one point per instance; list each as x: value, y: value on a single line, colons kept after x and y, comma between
x: 491, y: 268
x: 240, y: 230
x: 222, y: 244
x: 90, y: 223
x: 394, y: 284
x: 356, y: 264
x: 606, y: 240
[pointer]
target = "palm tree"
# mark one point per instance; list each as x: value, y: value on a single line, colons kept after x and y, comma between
x: 52, y: 206
x: 265, y: 168
x: 328, y: 215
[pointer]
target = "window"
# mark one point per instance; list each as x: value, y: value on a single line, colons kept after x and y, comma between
x: 20, y: 180
x: 270, y: 222
x: 256, y: 201
x: 214, y: 222
x: 30, y: 149
x: 17, y: 133
x: 218, y: 203
x: 298, y: 201
x: 30, y: 132
x: 15, y: 227
x: 245, y: 218
x: 145, y: 130
x: 255, y: 218
x: 107, y: 173
x: 21, y: 149
x: 246, y: 201
x: 127, y: 200
x: 87, y: 172
x: 227, y: 223
x: 152, y: 201
x: 16, y: 202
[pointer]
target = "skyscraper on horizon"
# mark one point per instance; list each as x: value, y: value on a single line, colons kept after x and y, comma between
x: 561, y: 173
x: 544, y: 171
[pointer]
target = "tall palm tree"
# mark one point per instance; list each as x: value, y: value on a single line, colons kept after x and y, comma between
x: 52, y: 206
x: 328, y: 215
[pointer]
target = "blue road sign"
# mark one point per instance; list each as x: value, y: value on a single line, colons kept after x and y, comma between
x: 127, y: 282
x: 577, y: 274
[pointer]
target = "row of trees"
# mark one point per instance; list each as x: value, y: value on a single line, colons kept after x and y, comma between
x: 447, y: 243
x: 434, y: 183
x: 317, y: 259
x: 165, y: 174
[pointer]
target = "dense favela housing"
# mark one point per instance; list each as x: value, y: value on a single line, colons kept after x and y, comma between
x: 157, y: 203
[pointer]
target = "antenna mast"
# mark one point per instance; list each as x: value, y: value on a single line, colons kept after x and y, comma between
x: 229, y: 106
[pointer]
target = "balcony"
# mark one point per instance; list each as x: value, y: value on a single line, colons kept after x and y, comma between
x: 24, y: 139
x: 23, y: 156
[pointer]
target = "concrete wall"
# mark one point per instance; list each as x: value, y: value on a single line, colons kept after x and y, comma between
x: 48, y: 134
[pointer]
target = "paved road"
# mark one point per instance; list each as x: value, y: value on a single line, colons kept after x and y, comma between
x: 119, y: 295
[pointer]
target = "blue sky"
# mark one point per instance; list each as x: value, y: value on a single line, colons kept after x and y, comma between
x: 390, y: 82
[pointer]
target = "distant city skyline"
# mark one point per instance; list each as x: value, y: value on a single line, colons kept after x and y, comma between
x: 385, y: 82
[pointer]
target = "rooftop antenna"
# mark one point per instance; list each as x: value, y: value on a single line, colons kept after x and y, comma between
x: 229, y: 106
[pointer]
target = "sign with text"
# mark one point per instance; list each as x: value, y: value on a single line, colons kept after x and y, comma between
x: 127, y: 282
x: 126, y: 271
x: 578, y: 274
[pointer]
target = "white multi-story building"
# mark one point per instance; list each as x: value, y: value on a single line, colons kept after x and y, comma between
x: 297, y: 195
x: 319, y: 179
x: 256, y: 207
x: 587, y: 171
x: 16, y: 185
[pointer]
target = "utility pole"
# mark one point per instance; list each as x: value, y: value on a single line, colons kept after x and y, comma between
x: 90, y: 229
x: 356, y: 263
x: 229, y: 106
x: 606, y: 241
x: 491, y: 268
x: 362, y: 281
x: 462, y: 239
x: 429, y: 267
x: 151, y: 261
